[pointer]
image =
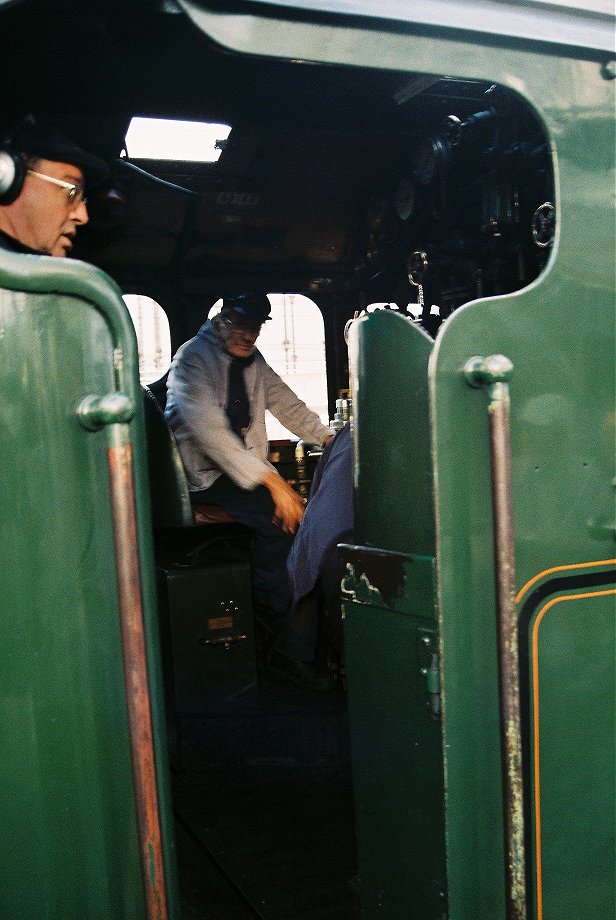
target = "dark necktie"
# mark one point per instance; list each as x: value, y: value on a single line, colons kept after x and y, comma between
x: 238, y: 408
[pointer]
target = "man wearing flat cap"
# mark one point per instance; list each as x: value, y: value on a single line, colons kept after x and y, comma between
x: 43, y: 180
x: 219, y: 387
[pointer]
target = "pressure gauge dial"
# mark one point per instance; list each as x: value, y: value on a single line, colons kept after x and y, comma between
x: 543, y: 225
x: 405, y: 199
x: 417, y: 266
x: 427, y: 161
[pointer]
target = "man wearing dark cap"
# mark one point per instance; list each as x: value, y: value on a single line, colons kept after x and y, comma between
x: 43, y: 180
x: 218, y: 389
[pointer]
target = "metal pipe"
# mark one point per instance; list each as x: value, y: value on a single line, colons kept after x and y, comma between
x: 114, y: 412
x: 119, y: 456
x: 493, y: 374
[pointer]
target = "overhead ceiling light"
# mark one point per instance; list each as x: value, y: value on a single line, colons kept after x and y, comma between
x: 168, y: 139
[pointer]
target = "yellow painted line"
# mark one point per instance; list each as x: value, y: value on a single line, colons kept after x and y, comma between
x: 537, y: 772
x: 560, y: 568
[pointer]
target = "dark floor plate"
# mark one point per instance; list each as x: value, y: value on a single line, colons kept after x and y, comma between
x: 284, y: 836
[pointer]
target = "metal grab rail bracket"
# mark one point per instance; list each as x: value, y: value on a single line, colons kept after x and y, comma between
x: 114, y: 411
x: 493, y: 374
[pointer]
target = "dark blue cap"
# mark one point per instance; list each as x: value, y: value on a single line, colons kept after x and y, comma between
x: 255, y: 307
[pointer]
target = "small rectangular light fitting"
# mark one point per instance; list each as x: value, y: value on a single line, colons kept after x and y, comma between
x: 168, y: 139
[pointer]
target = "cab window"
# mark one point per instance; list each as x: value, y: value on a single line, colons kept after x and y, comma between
x: 153, y: 336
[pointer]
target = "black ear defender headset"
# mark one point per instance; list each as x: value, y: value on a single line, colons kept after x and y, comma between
x: 12, y: 167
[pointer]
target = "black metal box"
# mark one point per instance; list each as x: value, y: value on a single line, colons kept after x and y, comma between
x: 207, y: 633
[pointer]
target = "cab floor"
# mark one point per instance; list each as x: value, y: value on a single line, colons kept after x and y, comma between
x: 273, y: 841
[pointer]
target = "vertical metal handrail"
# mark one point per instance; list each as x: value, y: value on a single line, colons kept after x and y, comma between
x: 493, y: 374
x: 114, y: 412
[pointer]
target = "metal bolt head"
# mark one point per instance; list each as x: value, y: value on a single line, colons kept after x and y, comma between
x: 481, y: 371
x: 608, y: 70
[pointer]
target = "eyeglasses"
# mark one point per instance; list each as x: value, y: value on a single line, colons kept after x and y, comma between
x: 243, y: 325
x: 74, y: 193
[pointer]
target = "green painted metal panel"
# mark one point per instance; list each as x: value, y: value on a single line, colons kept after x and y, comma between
x: 572, y: 758
x: 396, y: 745
x: 559, y: 334
x: 389, y: 360
x: 69, y: 842
x: 391, y: 643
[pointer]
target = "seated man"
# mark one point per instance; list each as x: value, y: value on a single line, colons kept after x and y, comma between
x: 314, y: 566
x: 218, y: 389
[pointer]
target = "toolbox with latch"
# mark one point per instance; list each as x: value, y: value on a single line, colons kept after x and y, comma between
x: 207, y: 633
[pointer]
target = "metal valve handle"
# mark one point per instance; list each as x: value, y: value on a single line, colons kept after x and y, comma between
x: 94, y: 412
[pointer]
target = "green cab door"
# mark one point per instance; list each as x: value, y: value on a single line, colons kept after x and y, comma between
x: 559, y: 335
x: 69, y: 844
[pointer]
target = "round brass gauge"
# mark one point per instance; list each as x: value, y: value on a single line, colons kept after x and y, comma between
x: 404, y: 201
x: 426, y: 162
x: 543, y: 225
x: 417, y: 266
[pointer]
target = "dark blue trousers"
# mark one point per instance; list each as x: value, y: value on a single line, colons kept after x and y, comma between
x: 270, y: 544
x: 313, y: 563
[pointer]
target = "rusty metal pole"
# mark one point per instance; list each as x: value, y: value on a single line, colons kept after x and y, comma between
x: 114, y: 412
x: 493, y: 374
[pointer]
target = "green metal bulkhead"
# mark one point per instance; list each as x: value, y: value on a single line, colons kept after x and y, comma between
x: 391, y: 641
x: 559, y: 334
x: 69, y: 845
x: 388, y: 356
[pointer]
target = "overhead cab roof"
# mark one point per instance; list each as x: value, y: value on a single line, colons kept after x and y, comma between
x: 588, y: 24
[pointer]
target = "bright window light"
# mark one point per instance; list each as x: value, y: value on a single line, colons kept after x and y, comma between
x: 167, y: 139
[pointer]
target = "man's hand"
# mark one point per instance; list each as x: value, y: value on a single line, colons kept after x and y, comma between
x: 288, y: 506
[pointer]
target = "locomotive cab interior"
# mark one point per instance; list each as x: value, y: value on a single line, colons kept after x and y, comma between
x: 353, y: 187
